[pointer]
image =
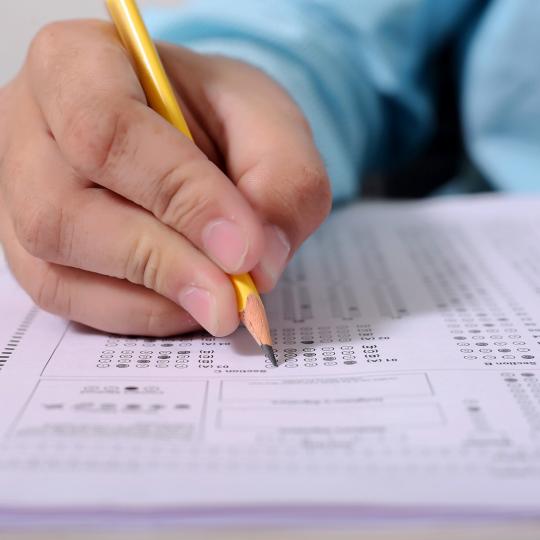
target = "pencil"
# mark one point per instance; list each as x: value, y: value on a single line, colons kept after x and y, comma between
x: 161, y: 98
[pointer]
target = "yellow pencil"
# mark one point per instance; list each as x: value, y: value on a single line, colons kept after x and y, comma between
x: 161, y: 97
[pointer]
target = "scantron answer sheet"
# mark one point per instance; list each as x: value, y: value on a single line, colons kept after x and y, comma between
x: 409, y: 335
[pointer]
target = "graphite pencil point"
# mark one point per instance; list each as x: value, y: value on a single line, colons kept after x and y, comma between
x: 269, y: 353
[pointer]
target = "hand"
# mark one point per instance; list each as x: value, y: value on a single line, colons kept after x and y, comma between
x: 111, y: 217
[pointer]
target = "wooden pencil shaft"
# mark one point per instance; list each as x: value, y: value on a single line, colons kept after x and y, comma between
x: 161, y: 97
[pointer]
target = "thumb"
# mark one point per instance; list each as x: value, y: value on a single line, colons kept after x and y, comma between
x: 292, y: 196
x: 271, y: 156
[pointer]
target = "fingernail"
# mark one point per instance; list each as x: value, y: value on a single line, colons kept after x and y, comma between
x: 276, y: 253
x: 226, y: 243
x: 201, y: 305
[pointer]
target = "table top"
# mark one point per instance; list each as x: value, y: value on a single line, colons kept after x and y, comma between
x: 516, y: 531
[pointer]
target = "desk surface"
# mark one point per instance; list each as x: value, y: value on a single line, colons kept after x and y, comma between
x: 450, y: 532
x: 19, y: 21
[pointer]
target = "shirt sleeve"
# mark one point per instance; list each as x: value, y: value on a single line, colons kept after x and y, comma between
x: 500, y: 88
x: 359, y: 70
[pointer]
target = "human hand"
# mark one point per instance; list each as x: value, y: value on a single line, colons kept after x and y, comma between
x: 111, y: 217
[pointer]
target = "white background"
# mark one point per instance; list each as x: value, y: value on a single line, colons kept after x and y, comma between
x: 21, y: 19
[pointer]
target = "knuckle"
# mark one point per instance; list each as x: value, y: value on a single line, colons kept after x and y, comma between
x: 143, y: 263
x: 96, y: 137
x: 179, y: 203
x: 47, y: 43
x: 304, y: 202
x: 321, y: 192
x: 52, y: 294
x: 312, y: 191
x: 11, y: 168
x: 157, y: 320
x: 43, y: 232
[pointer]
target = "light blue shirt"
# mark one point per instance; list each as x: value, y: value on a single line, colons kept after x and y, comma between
x: 361, y: 70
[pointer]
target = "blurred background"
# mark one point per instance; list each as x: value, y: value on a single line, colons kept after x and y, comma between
x: 441, y: 160
x: 21, y: 19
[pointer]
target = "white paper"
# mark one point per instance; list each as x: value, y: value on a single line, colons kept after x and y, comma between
x: 410, y: 334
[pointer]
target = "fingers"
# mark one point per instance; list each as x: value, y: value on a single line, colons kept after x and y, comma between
x: 101, y: 302
x: 97, y: 130
x: 269, y: 151
x: 98, y: 117
x: 97, y: 231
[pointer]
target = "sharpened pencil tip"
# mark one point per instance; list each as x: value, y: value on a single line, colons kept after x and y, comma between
x: 269, y: 353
